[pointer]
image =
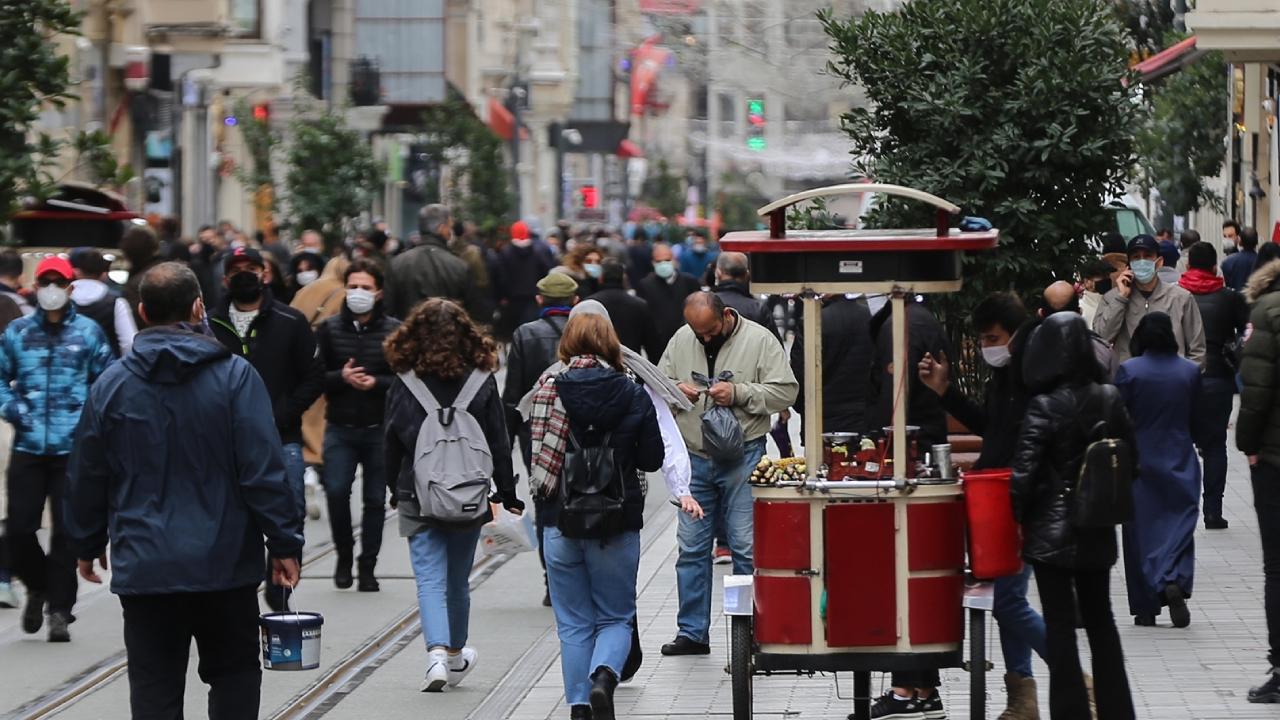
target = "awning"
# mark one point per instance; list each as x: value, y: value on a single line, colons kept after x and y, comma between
x: 501, y: 121
x: 628, y: 149
x: 1169, y: 61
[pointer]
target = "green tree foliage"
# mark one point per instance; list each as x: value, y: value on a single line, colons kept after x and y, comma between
x: 1182, y: 136
x: 260, y: 140
x: 1015, y: 110
x: 32, y: 74
x: 332, y: 175
x: 663, y: 191
x: 96, y: 160
x: 480, y: 190
x: 1146, y: 23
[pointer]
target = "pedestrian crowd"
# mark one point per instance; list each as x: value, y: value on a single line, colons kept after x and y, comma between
x: 181, y: 425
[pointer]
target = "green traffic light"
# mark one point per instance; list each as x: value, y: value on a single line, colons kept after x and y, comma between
x: 755, y: 107
x: 756, y: 143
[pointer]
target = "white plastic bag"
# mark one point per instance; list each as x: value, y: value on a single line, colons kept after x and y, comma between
x: 508, y: 534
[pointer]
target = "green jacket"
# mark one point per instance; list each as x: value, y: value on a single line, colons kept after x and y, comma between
x: 1258, y: 425
x: 763, y: 383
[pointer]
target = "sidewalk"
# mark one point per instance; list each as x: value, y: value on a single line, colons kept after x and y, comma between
x: 1201, y: 672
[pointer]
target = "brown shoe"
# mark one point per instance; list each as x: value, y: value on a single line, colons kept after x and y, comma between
x: 1093, y: 699
x: 1023, y: 703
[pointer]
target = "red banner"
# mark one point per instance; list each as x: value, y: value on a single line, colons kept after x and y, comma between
x: 670, y: 7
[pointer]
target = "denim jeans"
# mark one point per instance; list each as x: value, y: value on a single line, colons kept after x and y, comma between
x: 722, y: 491
x: 442, y: 561
x: 593, y: 595
x: 295, y: 470
x: 344, y: 449
x: 1209, y: 428
x: 1021, y: 627
x: 1266, y: 500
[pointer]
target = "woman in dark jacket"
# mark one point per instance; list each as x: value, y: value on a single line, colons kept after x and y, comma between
x: 442, y: 347
x: 592, y: 579
x: 1071, y: 408
x: 1160, y: 389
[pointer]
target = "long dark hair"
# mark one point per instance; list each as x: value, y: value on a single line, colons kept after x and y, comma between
x: 1154, y: 335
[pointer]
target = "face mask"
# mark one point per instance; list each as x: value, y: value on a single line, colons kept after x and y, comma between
x: 664, y: 269
x: 1144, y: 271
x: 361, y: 301
x: 997, y: 355
x: 699, y: 248
x: 245, y: 287
x: 51, y: 298
x: 593, y: 269
x: 522, y: 243
x: 306, y: 277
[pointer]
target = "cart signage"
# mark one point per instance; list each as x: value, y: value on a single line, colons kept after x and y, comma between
x: 850, y: 267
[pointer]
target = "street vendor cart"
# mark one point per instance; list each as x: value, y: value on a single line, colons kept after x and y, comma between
x: 860, y: 555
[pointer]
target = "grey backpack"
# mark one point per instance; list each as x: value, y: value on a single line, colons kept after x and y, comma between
x: 452, y: 466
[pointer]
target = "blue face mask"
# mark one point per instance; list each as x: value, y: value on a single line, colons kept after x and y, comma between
x: 664, y: 269
x: 593, y: 269
x: 1144, y: 271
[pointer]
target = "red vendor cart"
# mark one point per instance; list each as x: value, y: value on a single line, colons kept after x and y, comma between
x: 856, y: 571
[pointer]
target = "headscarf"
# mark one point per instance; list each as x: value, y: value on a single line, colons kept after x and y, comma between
x: 1154, y: 335
x: 644, y: 370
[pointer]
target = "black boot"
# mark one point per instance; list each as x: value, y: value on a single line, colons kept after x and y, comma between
x: 342, y: 573
x: 603, y: 683
x: 636, y: 657
x: 368, y: 583
x: 579, y: 712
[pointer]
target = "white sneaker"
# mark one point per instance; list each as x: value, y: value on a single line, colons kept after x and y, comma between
x: 8, y: 598
x: 312, y: 493
x: 461, y: 664
x: 437, y: 671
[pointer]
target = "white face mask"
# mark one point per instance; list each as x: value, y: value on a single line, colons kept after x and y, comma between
x: 996, y: 356
x: 306, y: 277
x: 522, y: 243
x: 361, y: 301
x: 51, y: 298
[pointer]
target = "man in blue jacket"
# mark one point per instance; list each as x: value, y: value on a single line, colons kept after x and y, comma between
x: 178, y: 464
x: 48, y: 360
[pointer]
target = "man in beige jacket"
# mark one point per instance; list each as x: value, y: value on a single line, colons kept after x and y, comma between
x: 1138, y: 291
x: 717, y: 339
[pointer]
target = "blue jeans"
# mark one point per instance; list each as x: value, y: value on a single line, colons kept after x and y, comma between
x: 295, y: 470
x: 722, y: 491
x: 1021, y: 627
x: 344, y: 449
x: 593, y: 595
x: 1209, y: 428
x: 442, y: 561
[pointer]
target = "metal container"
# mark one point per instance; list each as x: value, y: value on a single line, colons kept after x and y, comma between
x: 942, y: 460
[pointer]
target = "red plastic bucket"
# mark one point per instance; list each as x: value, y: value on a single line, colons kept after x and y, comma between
x: 995, y: 540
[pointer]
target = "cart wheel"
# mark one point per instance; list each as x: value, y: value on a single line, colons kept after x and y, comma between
x: 740, y: 649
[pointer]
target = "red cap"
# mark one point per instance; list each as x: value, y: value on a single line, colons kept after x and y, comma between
x: 519, y: 231
x: 58, y: 264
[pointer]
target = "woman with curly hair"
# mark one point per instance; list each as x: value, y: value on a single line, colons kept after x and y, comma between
x: 591, y: 408
x: 583, y: 264
x: 439, y: 352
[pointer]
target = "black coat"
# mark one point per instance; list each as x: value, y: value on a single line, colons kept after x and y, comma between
x: 1225, y: 315
x: 1057, y: 429
x: 427, y: 271
x: 177, y: 462
x: 339, y: 340
x: 404, y: 419
x: 602, y: 401
x: 632, y: 320
x: 639, y: 262
x: 998, y: 419
x: 847, y: 360
x: 924, y: 408
x: 533, y: 350
x: 666, y: 302
x: 737, y: 296
x: 282, y: 348
x: 517, y: 271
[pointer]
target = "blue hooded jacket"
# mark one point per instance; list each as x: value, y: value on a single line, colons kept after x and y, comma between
x: 177, y: 459
x: 45, y: 374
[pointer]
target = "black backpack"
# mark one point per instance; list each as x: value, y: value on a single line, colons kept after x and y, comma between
x: 1102, y: 496
x: 593, y: 491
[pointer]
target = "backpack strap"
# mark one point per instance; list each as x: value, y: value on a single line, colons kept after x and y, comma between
x: 420, y: 391
x: 470, y: 389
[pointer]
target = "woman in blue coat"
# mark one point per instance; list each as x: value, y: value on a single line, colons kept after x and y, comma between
x: 1160, y: 387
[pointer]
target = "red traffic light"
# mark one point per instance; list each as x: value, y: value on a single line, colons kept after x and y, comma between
x: 590, y: 197
x: 262, y: 112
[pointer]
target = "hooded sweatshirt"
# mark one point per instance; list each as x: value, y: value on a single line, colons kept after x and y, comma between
x: 178, y: 464
x: 95, y: 300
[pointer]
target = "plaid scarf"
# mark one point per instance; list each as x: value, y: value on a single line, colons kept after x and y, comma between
x: 549, y: 425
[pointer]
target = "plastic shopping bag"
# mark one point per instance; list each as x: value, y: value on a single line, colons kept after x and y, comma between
x: 508, y: 534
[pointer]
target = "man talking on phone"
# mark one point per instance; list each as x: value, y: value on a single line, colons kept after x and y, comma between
x: 1138, y: 291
